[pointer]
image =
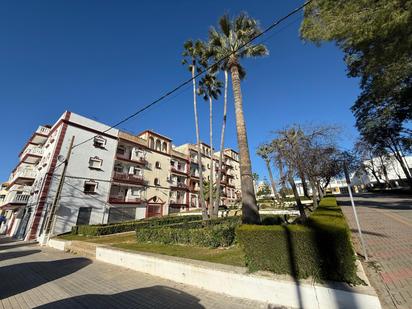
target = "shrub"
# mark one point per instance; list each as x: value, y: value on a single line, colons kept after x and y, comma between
x: 113, y: 228
x: 216, y: 234
x: 321, y: 248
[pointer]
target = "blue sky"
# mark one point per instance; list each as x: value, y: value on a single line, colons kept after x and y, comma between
x: 105, y: 59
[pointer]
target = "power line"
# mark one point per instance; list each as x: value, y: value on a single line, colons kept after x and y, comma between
x: 201, y: 72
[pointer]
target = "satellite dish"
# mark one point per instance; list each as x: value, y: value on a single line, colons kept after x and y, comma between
x: 61, y: 158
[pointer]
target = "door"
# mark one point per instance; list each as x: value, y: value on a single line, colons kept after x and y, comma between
x: 84, y: 216
x: 154, y: 210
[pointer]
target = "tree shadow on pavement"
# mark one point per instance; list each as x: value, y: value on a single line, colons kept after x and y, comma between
x: 17, y: 278
x: 16, y: 254
x: 379, y: 204
x: 150, y: 297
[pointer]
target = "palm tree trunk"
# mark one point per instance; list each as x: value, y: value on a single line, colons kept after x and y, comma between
x: 297, y: 198
x: 272, y: 180
x: 211, y: 157
x: 199, y: 155
x: 222, y: 148
x: 250, y: 211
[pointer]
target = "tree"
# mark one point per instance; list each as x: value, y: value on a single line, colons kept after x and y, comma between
x: 194, y: 55
x: 209, y: 89
x: 218, y: 51
x: 235, y: 34
x: 264, y: 151
x: 376, y: 38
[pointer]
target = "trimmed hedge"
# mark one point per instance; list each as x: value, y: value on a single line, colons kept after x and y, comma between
x: 211, y: 233
x: 113, y: 228
x: 320, y: 248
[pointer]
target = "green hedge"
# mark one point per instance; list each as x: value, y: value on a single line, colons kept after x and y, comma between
x: 321, y: 248
x: 212, y: 233
x: 106, y: 229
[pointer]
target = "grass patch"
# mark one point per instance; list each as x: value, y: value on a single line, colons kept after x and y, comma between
x: 230, y: 256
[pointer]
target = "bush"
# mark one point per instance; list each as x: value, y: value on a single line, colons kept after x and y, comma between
x: 213, y: 233
x: 113, y: 228
x: 321, y: 248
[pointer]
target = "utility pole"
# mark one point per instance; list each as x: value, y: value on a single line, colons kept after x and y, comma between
x: 345, y: 170
x: 54, y: 206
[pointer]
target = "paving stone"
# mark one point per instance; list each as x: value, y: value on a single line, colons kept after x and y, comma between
x: 386, y: 223
x: 39, y: 277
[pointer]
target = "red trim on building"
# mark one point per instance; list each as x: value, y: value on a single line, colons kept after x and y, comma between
x: 45, y: 191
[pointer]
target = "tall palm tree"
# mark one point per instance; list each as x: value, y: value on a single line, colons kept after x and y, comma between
x: 236, y: 33
x: 264, y: 151
x: 209, y: 89
x: 218, y: 49
x: 194, y: 56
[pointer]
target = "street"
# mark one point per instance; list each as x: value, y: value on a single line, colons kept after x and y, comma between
x: 386, y: 222
x: 37, y: 277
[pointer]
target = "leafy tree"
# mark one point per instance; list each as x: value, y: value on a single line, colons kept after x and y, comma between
x: 210, y: 88
x: 194, y: 56
x: 235, y: 34
x: 376, y: 38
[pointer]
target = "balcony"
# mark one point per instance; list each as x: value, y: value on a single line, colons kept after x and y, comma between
x: 179, y: 186
x: 41, y: 134
x: 178, y: 171
x: 129, y: 178
x: 19, y: 199
x: 23, y: 176
x: 32, y: 155
x: 125, y: 200
x: 139, y: 160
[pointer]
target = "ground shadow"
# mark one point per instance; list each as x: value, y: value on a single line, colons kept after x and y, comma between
x: 26, y: 276
x: 378, y: 201
x: 15, y: 244
x: 150, y: 297
x: 16, y: 254
x: 369, y: 233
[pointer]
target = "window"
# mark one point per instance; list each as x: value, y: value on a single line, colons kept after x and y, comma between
x: 158, y: 145
x: 95, y: 163
x: 118, y: 168
x: 156, y: 182
x: 208, y: 166
x: 99, y: 142
x: 90, y: 186
x: 164, y: 147
x: 121, y: 150
x: 157, y: 164
x: 136, y: 192
x: 151, y: 142
x: 137, y: 171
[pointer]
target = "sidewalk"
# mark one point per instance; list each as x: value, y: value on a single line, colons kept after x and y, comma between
x: 386, y: 223
x: 39, y: 277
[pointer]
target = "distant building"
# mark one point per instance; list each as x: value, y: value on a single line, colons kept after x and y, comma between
x: 111, y: 176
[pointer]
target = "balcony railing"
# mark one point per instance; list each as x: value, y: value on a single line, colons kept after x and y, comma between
x: 125, y: 200
x: 35, y: 151
x: 179, y: 185
x: 19, y: 199
x: 177, y: 170
x: 139, y: 160
x: 129, y: 178
x: 43, y: 130
x: 177, y: 202
x: 23, y: 173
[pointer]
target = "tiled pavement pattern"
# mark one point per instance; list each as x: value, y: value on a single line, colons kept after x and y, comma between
x: 38, y: 277
x: 386, y: 222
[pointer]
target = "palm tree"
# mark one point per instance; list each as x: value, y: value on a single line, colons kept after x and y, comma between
x: 194, y: 56
x: 264, y: 151
x: 235, y: 34
x: 209, y: 88
x: 218, y: 49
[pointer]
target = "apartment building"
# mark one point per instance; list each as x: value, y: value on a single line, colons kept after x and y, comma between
x: 111, y: 176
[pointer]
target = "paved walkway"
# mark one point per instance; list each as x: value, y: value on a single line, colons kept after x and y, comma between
x: 38, y: 277
x: 386, y: 223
